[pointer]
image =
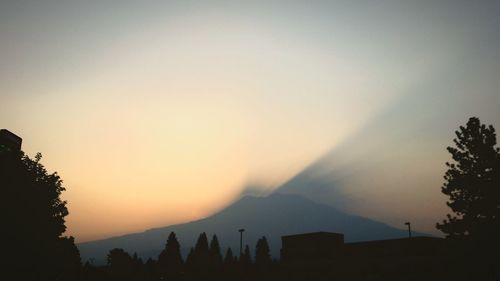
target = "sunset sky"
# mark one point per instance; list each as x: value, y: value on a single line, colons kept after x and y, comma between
x: 160, y: 112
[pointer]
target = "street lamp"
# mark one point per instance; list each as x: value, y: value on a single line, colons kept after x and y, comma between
x: 409, y: 228
x: 241, y: 240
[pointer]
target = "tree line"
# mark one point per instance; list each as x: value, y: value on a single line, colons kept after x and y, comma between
x: 205, y: 261
x: 35, y: 247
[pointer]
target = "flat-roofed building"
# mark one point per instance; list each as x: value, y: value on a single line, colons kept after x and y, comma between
x: 327, y: 246
x: 415, y: 246
x: 312, y: 246
x: 9, y: 141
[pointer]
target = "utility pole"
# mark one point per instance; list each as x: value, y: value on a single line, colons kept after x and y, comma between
x: 409, y: 228
x: 241, y: 240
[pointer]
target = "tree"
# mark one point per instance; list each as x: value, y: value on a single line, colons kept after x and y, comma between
x: 246, y: 258
x: 150, y: 270
x: 33, y: 220
x: 170, y: 260
x: 137, y: 267
x: 472, y: 183
x: 121, y: 264
x: 262, y: 256
x: 229, y: 257
x: 214, y: 252
x: 201, y: 247
x: 229, y: 266
x: 190, y: 260
x: 198, y: 260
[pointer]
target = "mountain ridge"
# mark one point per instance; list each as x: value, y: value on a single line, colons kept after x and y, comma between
x: 272, y: 216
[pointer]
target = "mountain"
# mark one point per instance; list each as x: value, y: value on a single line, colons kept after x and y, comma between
x: 273, y: 216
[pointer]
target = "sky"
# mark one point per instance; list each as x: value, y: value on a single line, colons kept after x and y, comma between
x: 160, y: 112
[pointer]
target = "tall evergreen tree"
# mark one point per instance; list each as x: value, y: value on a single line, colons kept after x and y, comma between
x: 170, y: 261
x: 229, y: 266
x: 214, y: 252
x: 200, y: 258
x: 229, y: 257
x: 246, y: 258
x: 262, y: 256
x: 472, y: 183
x: 245, y: 262
x: 201, y: 247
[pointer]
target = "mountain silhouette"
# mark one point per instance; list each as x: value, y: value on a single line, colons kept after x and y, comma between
x: 272, y: 216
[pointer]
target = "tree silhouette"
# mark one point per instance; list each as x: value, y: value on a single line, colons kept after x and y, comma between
x: 246, y: 258
x: 262, y: 256
x: 120, y: 263
x: 229, y: 257
x: 201, y: 247
x: 170, y: 260
x: 149, y: 270
x: 137, y: 267
x: 33, y: 220
x: 199, y: 259
x: 190, y: 260
x: 472, y: 184
x: 214, y: 252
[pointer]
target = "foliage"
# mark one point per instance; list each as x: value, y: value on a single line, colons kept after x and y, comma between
x: 122, y: 266
x: 262, y: 256
x: 229, y: 258
x: 33, y: 217
x: 473, y: 184
x: 119, y: 259
x: 199, y: 259
x: 214, y: 252
x: 170, y: 261
x: 246, y: 258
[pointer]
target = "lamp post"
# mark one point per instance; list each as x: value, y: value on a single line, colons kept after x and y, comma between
x: 409, y: 228
x: 241, y: 240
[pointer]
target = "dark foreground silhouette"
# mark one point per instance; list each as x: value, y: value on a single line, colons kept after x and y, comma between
x: 36, y: 249
x: 32, y: 219
x: 310, y: 256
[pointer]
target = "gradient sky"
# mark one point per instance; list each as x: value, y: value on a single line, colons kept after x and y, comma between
x: 158, y: 112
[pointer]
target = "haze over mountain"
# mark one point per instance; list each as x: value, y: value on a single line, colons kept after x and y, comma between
x: 271, y: 216
x: 376, y: 171
x: 157, y: 112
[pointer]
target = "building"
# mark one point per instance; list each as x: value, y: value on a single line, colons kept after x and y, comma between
x: 9, y: 141
x: 318, y: 246
x: 312, y: 246
x: 415, y: 246
x: 325, y: 256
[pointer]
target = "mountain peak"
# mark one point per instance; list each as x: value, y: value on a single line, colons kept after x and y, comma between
x: 272, y: 216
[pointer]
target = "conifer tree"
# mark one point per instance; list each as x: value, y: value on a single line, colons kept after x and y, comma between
x: 201, y: 247
x: 229, y: 257
x: 214, y: 252
x: 262, y: 256
x: 246, y: 258
x: 170, y: 261
x: 229, y: 267
x: 472, y: 183
x: 201, y: 256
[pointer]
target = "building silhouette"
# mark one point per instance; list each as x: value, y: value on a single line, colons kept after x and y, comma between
x: 322, y: 246
x: 312, y: 246
x: 9, y: 141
